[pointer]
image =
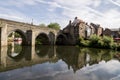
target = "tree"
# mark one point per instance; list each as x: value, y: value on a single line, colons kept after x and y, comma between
x: 42, y: 25
x: 54, y: 26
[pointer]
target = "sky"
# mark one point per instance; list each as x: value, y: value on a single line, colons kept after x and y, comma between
x: 103, y: 12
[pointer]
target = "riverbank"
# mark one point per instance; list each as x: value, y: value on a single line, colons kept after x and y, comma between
x: 103, y: 42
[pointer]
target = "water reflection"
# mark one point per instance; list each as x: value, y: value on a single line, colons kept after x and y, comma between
x: 15, y: 51
x: 43, y: 51
x: 18, y: 52
x: 74, y: 57
x: 47, y: 61
x: 77, y: 58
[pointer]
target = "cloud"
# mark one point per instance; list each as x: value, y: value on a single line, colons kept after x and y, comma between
x: 111, y: 67
x: 116, y: 2
x: 13, y: 15
x: 83, y: 10
x: 62, y: 11
x: 18, y: 3
x: 115, y: 78
x: 111, y: 18
x: 10, y: 17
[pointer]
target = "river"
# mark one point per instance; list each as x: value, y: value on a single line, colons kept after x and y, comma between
x: 58, y: 63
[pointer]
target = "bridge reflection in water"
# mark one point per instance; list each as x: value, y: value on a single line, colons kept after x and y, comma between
x: 51, y: 58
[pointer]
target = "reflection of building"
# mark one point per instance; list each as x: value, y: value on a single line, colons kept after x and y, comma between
x: 71, y: 56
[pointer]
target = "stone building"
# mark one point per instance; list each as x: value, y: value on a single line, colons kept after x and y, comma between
x: 115, y: 33
x: 76, y: 29
x: 97, y: 29
x: 107, y: 32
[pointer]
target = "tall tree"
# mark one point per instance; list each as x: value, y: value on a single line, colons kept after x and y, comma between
x: 42, y: 25
x: 54, y: 26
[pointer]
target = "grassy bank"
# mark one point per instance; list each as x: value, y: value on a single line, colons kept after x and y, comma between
x: 104, y: 42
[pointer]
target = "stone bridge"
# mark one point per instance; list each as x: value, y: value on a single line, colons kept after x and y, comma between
x: 28, y: 32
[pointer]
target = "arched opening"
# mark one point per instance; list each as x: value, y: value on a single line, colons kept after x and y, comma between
x: 61, y: 40
x: 17, y: 36
x: 16, y: 40
x: 42, y: 39
x: 52, y: 38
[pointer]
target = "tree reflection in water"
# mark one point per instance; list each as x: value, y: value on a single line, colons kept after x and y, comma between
x: 77, y: 58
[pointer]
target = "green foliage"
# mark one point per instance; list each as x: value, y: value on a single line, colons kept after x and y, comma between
x: 17, y: 35
x: 42, y: 25
x: 38, y: 41
x: 54, y: 26
x: 95, y: 40
x: 114, y: 46
x: 81, y: 39
x: 83, y: 42
x: 17, y: 48
x: 118, y: 48
x: 100, y: 44
x: 108, y: 42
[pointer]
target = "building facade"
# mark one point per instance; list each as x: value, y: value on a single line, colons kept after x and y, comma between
x: 72, y: 32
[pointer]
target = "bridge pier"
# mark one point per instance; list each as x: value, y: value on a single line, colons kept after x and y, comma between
x: 4, y: 35
x: 3, y: 56
x: 30, y: 38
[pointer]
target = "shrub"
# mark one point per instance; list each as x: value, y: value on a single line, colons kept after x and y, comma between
x: 118, y: 47
x: 83, y: 42
x: 80, y: 41
x: 114, y: 46
x: 94, y: 41
x: 107, y: 41
x: 99, y: 42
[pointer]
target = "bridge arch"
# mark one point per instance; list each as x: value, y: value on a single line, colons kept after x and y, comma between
x: 42, y: 39
x: 61, y: 39
x: 21, y: 33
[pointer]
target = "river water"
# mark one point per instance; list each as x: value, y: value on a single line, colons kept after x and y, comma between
x: 58, y: 63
